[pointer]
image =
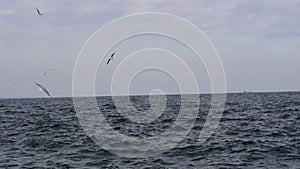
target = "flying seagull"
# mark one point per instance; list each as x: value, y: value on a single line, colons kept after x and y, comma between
x: 111, y: 58
x: 45, y: 73
x: 44, y: 89
x: 38, y: 11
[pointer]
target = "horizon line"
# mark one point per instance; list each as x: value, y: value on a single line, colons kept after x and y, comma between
x: 168, y: 94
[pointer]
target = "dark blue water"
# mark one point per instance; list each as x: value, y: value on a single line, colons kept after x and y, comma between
x: 258, y: 130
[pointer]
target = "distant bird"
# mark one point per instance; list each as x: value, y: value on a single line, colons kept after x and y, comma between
x: 45, y: 73
x: 43, y: 89
x: 16, y: 84
x: 111, y: 58
x: 38, y: 11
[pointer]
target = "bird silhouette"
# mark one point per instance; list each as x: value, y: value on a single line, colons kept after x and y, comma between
x: 111, y: 58
x: 38, y: 11
x: 44, y: 89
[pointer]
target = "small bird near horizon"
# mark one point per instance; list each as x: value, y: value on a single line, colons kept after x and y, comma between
x: 43, y: 89
x: 38, y: 11
x: 111, y: 58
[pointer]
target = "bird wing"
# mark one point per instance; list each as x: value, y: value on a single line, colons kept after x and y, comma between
x: 47, y: 92
x: 108, y: 61
x: 38, y: 11
x: 112, y: 54
x: 40, y: 86
x: 45, y: 73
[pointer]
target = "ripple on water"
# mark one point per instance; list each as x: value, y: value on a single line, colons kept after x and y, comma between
x: 259, y: 130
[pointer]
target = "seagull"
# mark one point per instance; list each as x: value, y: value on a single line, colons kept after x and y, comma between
x: 44, y: 89
x: 45, y: 73
x: 38, y: 11
x: 111, y: 58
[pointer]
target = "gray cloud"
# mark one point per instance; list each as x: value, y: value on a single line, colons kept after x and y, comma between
x: 226, y: 18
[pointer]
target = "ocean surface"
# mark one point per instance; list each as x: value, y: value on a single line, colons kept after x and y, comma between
x: 257, y: 130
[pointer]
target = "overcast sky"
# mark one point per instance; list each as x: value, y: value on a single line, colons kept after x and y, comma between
x: 258, y: 42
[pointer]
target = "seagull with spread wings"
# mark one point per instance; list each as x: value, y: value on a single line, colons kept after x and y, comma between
x: 43, y: 89
x: 38, y: 11
x: 111, y: 58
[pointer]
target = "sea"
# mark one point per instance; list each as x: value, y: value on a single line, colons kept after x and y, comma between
x: 257, y: 130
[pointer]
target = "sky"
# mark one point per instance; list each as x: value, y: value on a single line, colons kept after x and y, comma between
x: 257, y: 41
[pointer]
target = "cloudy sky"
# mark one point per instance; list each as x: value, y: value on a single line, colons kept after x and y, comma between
x: 258, y: 41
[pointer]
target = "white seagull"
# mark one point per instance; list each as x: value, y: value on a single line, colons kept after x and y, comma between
x: 111, y: 58
x: 38, y: 11
x: 44, y: 89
